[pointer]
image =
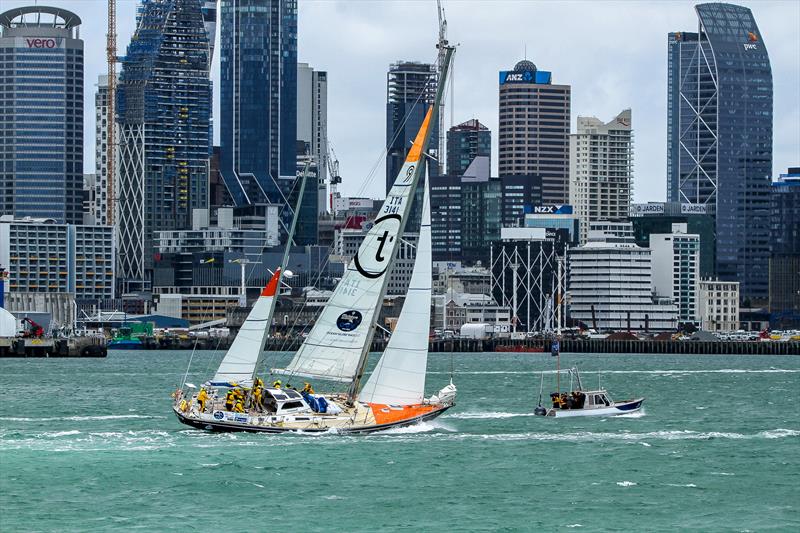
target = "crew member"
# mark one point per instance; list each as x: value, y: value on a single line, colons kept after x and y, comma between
x: 202, y: 397
x: 256, y: 402
x: 307, y: 388
x: 239, y: 406
x: 229, y: 400
x: 276, y: 384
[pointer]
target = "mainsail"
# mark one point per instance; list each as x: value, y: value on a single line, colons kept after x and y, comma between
x: 399, y: 377
x: 240, y: 361
x: 336, y: 343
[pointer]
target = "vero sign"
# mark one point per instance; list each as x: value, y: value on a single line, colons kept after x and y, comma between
x: 38, y: 42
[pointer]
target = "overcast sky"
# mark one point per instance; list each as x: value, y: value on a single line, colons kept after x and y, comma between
x: 613, y: 54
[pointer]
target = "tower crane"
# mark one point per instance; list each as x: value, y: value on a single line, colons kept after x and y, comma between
x: 442, y: 46
x: 332, y: 162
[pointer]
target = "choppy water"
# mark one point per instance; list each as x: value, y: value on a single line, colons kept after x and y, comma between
x: 90, y: 445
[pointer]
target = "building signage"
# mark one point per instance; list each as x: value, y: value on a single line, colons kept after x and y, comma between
x: 44, y: 43
x: 564, y: 209
x: 652, y: 208
x: 693, y: 209
x: 525, y: 76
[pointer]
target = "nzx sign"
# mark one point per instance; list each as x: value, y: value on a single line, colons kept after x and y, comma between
x: 41, y: 42
x: 552, y: 209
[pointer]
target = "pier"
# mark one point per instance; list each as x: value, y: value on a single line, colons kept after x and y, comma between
x: 50, y: 347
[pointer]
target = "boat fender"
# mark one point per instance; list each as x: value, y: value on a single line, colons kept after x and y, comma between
x: 316, y: 420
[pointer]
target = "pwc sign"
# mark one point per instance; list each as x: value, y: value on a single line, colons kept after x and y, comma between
x: 41, y: 42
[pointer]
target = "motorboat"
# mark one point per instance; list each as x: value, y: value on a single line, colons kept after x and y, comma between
x: 579, y: 401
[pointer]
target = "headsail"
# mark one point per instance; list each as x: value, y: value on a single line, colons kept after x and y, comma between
x: 240, y: 361
x: 336, y: 343
x: 399, y: 377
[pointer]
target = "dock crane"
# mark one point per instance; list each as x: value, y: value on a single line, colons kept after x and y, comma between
x: 332, y: 162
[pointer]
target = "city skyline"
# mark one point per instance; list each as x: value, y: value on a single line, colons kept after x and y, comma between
x: 583, y: 46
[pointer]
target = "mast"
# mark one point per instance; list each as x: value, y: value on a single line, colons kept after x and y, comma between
x: 285, y: 260
x: 362, y: 362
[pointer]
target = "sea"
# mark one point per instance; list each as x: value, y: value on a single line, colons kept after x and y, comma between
x: 91, y: 445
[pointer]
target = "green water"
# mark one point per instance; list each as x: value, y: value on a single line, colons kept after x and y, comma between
x: 90, y: 445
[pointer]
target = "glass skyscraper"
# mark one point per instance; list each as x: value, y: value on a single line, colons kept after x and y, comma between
x: 465, y: 142
x: 258, y: 98
x: 720, y: 137
x: 163, y: 116
x: 41, y: 114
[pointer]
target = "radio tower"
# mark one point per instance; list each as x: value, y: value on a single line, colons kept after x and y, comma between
x: 111, y: 57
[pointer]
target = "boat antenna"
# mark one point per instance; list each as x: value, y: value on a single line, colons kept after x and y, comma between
x: 541, y: 388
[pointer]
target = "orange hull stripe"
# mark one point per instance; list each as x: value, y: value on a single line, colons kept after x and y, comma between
x: 272, y: 286
x: 416, y: 149
x: 386, y: 415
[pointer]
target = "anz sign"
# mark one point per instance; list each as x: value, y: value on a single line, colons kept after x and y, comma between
x: 525, y: 76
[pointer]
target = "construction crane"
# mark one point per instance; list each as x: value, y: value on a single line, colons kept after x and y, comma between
x: 111, y: 58
x: 442, y: 46
x: 332, y: 162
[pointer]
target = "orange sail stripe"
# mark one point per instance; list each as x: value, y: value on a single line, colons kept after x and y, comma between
x: 272, y: 286
x: 387, y: 415
x: 416, y: 148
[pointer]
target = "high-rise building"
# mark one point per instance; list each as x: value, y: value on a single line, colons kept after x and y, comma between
x: 164, y: 123
x: 534, y: 129
x: 445, y: 203
x: 784, y: 263
x: 719, y: 130
x: 465, y: 142
x: 312, y: 125
x: 601, y: 169
x: 719, y: 305
x: 676, y: 269
x: 611, y: 283
x: 258, y: 99
x: 41, y: 114
x: 410, y: 90
x: 101, y: 193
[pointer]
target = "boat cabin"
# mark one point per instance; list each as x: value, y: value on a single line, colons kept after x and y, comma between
x: 285, y: 401
x: 598, y: 398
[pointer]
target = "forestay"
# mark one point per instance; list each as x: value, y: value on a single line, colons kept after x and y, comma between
x: 399, y: 377
x: 240, y: 361
x: 335, y: 344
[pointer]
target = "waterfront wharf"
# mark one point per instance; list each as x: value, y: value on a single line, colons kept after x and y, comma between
x: 52, y: 347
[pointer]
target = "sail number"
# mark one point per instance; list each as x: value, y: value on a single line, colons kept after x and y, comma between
x: 392, y: 205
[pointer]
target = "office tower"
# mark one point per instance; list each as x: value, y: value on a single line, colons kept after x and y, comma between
x: 101, y: 193
x: 410, y: 90
x: 465, y: 142
x: 611, y: 283
x: 659, y: 217
x: 163, y: 119
x: 676, y: 269
x: 312, y: 125
x: 258, y: 94
x: 784, y: 263
x: 41, y: 114
x: 521, y: 195
x: 601, y: 170
x: 445, y: 191
x: 720, y: 137
x: 534, y: 129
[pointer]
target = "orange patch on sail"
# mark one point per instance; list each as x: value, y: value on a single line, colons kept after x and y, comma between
x: 385, y: 414
x: 272, y: 286
x: 416, y: 148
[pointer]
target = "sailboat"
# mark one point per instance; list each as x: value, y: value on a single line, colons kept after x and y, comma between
x: 337, y: 347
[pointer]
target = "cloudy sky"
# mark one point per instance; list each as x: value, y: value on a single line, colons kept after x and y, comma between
x: 613, y: 54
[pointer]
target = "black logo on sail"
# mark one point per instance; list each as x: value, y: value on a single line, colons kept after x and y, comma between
x: 349, y: 320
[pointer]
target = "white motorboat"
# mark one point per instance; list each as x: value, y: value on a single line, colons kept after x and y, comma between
x: 578, y: 401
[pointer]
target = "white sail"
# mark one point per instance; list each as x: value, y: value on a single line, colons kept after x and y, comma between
x: 399, y: 377
x: 240, y: 361
x: 335, y: 344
